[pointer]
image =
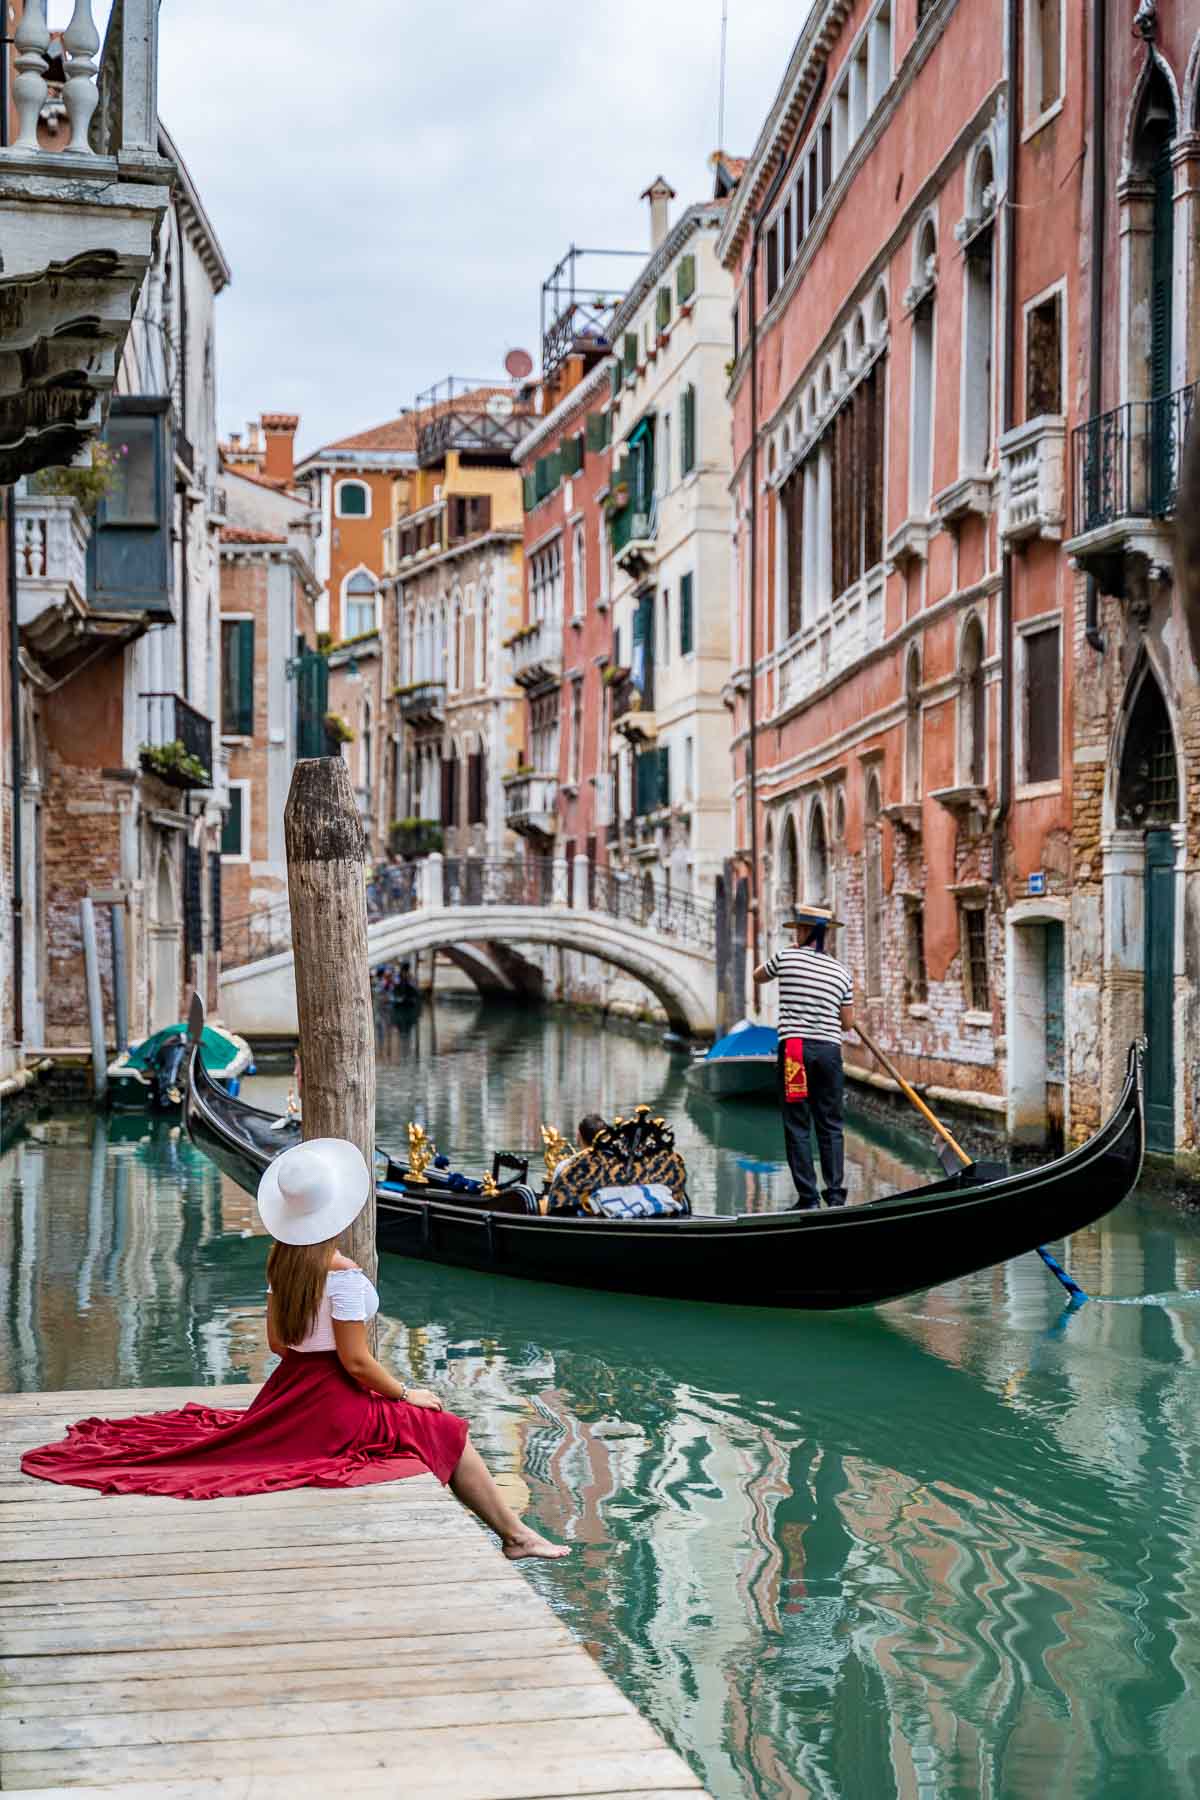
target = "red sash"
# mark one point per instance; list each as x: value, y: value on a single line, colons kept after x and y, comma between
x: 795, y: 1075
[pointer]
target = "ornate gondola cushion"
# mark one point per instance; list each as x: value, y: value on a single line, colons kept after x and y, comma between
x: 647, y: 1201
x: 637, y: 1152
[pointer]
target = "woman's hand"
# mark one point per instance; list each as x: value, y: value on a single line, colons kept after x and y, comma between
x: 423, y: 1397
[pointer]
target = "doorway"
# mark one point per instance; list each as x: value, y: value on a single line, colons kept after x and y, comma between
x: 1037, y: 1025
x: 1159, y: 991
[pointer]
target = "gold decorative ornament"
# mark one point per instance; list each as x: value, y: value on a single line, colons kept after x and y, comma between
x: 557, y: 1148
x: 491, y: 1187
x: 421, y: 1151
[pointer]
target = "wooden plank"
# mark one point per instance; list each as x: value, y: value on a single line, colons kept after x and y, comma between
x: 281, y: 1718
x: 623, y: 1776
x: 84, y: 1403
x: 370, y: 1528
x: 520, y: 1642
x: 210, y: 1559
x: 421, y: 1754
x: 97, y: 1508
x: 557, y: 1663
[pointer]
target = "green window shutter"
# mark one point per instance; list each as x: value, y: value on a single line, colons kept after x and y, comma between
x: 572, y: 454
x: 545, y: 476
x: 663, y: 776
x: 625, y: 475
x: 555, y: 461
x: 629, y: 354
x: 237, y: 677
x: 687, y: 449
x: 646, y: 785
x: 685, y: 278
x: 596, y: 431
x: 528, y: 492
x: 614, y: 379
x: 663, y: 312
x: 607, y: 429
x: 685, y: 616
x: 231, y: 830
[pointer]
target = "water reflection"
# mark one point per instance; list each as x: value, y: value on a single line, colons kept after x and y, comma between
x: 939, y: 1549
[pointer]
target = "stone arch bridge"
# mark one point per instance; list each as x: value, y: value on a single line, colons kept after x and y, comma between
x: 482, y: 913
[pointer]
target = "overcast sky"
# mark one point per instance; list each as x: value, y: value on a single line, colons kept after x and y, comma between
x: 392, y: 181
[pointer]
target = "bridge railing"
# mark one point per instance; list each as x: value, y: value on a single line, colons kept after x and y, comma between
x: 394, y: 889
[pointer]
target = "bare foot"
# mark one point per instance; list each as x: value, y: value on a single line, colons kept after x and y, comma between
x: 531, y: 1543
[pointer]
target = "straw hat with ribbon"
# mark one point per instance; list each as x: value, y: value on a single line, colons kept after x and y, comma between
x: 805, y: 917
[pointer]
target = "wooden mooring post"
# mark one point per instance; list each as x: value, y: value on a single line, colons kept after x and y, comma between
x: 327, y: 890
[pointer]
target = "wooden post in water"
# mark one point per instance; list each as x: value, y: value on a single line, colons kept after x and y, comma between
x: 326, y: 859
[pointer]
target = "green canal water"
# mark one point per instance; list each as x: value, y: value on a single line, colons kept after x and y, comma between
x: 944, y: 1548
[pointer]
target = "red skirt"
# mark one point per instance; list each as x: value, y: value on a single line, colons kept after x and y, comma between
x: 311, y: 1425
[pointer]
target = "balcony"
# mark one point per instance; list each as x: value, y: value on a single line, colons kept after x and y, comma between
x: 529, y: 804
x: 1032, y: 480
x: 1124, y: 483
x: 481, y: 419
x: 537, y: 654
x: 82, y: 192
x: 176, y: 741
x: 833, y: 642
x: 422, y: 702
x: 634, y: 530
x: 58, y: 627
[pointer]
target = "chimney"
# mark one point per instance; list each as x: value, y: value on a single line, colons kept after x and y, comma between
x: 660, y: 193
x: 280, y: 429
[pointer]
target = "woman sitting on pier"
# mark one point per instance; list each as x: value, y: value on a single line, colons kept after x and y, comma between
x: 330, y: 1415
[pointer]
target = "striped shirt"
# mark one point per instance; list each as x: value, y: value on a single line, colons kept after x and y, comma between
x: 813, y: 988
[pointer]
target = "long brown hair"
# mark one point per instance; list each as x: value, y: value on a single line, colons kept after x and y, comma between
x: 296, y: 1275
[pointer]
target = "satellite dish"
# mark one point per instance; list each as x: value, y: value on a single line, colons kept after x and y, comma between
x: 518, y: 364
x: 500, y: 406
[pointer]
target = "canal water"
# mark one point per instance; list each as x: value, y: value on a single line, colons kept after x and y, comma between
x: 944, y: 1548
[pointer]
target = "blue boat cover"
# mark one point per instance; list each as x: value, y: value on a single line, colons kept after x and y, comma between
x: 745, y: 1039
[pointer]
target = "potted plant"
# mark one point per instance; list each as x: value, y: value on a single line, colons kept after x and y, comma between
x: 337, y: 731
x: 414, y: 837
x: 87, y: 485
x: 174, y: 764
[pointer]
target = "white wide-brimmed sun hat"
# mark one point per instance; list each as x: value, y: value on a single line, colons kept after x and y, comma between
x: 313, y: 1191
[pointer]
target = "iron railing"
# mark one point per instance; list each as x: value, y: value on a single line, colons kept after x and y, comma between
x: 167, y: 721
x: 398, y: 888
x: 1126, y: 462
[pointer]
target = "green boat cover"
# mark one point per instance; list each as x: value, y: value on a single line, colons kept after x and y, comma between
x: 217, y: 1052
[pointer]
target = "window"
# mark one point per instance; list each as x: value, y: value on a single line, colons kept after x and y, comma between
x: 817, y: 888
x: 652, y: 780
x: 689, y: 769
x: 1041, y: 702
x: 687, y: 430
x: 546, y: 583
x: 664, y: 636
x: 980, y: 308
x: 737, y: 329
x: 235, y: 832
x: 353, y: 500
x: 578, y: 572
x: 129, y: 557
x: 771, y: 276
x: 237, y: 677
x: 873, y: 844
x: 664, y: 470
x: 686, y: 620
x: 1043, y: 357
x: 476, y: 789
x: 920, y: 477
x: 972, y: 708
x: 358, y: 604
x: 975, y: 960
x: 543, y: 733
x: 912, y: 728
x: 832, y: 507
x: 448, y: 813
x: 1148, y: 782
x: 916, y: 980
x: 1044, y: 33
x: 576, y: 732
x: 879, y: 56
x: 133, y: 498
x: 662, y: 309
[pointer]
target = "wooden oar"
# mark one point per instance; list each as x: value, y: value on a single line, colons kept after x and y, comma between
x: 952, y: 1149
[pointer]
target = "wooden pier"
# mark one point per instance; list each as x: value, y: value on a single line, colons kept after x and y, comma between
x: 357, y: 1641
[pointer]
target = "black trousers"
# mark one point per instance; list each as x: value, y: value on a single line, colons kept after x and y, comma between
x: 822, y: 1111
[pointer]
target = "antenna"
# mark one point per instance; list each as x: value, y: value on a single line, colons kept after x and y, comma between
x: 721, y: 100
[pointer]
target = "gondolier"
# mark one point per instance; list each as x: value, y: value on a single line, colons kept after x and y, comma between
x: 815, y: 1010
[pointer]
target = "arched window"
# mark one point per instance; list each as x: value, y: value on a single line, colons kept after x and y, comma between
x: 352, y: 500
x: 1152, y: 142
x: 358, y: 604
x: 879, y: 314
x: 972, y: 707
x: 977, y: 359
x: 817, y: 888
x: 920, y: 471
x: 789, y: 870
x: 456, y: 674
x: 873, y: 922
x: 1148, y: 784
x: 912, y: 727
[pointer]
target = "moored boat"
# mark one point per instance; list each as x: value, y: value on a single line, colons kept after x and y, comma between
x: 742, y: 1062
x: 152, y: 1073
x: 853, y: 1256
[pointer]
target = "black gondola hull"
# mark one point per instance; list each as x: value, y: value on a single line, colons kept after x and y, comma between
x: 819, y: 1261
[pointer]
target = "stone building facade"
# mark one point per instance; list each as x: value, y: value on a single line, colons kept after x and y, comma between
x: 121, y: 780
x: 669, y: 533
x: 1135, y: 838
x: 906, y: 346
x: 274, y: 684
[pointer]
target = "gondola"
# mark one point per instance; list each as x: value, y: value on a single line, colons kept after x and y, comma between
x: 815, y: 1261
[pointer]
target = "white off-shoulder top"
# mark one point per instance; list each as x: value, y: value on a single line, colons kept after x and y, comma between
x: 348, y: 1295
